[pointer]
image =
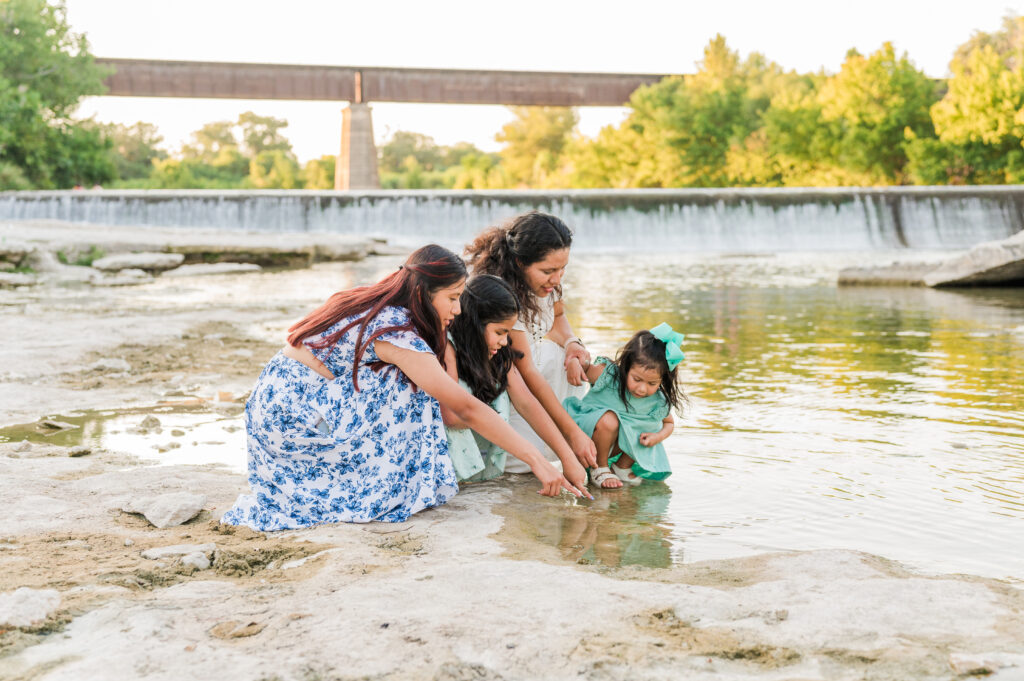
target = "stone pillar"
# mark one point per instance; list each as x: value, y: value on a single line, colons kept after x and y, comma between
x: 357, y: 163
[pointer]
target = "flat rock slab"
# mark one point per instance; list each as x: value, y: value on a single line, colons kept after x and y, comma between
x: 177, y: 550
x: 148, y: 262
x: 12, y: 279
x: 167, y: 510
x: 25, y: 607
x: 218, y: 245
x: 213, y: 268
x: 992, y: 263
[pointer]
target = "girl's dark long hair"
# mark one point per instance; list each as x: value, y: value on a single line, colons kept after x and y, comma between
x: 487, y: 299
x: 649, y: 352
x: 425, y: 272
x: 505, y: 251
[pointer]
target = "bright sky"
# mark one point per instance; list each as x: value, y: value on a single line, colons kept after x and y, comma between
x: 641, y: 36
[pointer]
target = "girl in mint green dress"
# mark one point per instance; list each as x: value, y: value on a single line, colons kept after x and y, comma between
x: 628, y: 411
x: 480, y: 358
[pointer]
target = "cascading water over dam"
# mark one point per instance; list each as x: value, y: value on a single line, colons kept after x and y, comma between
x: 729, y: 220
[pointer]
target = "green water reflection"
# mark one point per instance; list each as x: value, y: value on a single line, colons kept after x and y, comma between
x: 885, y: 420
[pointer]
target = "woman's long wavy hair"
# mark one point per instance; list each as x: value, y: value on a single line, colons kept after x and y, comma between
x: 649, y: 352
x: 486, y: 299
x: 428, y: 270
x: 505, y: 251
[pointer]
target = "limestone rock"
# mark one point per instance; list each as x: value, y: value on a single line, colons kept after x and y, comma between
x: 147, y: 262
x: 178, y: 550
x: 198, y: 560
x: 12, y: 250
x: 167, y: 510
x: 150, y: 422
x: 43, y: 261
x: 993, y: 262
x: 213, y: 268
x: 988, y: 264
x: 12, y: 279
x: 25, y: 607
x: 110, y: 364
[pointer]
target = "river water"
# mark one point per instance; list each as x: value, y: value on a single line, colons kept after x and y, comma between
x: 884, y: 420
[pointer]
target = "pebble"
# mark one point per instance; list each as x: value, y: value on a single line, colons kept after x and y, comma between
x: 197, y: 560
x: 79, y: 451
x: 23, y: 446
x: 129, y: 542
x: 150, y: 422
x: 110, y: 364
x: 57, y: 425
x: 167, y: 510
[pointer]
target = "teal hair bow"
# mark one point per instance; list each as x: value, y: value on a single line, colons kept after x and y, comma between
x: 672, y: 340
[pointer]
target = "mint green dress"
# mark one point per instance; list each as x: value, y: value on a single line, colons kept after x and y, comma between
x: 475, y: 458
x: 645, y: 415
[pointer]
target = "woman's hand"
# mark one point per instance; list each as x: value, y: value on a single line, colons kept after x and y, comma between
x: 552, y: 482
x: 575, y: 473
x: 584, y: 448
x: 577, y: 359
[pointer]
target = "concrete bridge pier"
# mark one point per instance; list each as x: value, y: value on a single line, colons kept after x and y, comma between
x: 356, y: 167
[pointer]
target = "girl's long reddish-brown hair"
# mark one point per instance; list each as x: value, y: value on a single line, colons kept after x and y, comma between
x: 425, y: 272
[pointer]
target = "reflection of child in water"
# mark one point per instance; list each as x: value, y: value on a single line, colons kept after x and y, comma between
x: 628, y: 411
x: 624, y: 529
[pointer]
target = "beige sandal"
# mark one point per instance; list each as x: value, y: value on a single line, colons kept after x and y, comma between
x: 599, y: 476
x: 626, y: 475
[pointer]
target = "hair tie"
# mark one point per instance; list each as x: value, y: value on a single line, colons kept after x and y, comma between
x: 672, y: 341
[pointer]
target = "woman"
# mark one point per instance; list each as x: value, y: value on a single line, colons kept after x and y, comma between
x: 337, y: 434
x: 531, y: 253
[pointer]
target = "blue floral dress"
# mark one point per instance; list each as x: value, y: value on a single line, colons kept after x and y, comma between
x: 322, y: 452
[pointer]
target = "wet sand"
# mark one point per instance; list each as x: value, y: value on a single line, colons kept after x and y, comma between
x: 498, y: 584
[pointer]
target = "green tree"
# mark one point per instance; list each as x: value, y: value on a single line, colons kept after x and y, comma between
x: 534, y: 142
x: 45, y: 69
x: 319, y: 173
x: 680, y: 131
x: 979, y: 120
x: 404, y: 145
x: 876, y: 101
x: 274, y: 169
x: 263, y: 133
x: 134, y: 147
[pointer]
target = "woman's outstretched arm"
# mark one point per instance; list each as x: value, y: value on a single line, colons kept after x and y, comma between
x: 581, y: 445
x: 427, y: 373
x: 532, y: 411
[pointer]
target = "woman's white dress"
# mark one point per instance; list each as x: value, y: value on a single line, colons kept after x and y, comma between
x: 549, y: 358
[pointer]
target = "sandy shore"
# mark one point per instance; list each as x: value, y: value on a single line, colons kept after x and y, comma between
x: 477, y: 589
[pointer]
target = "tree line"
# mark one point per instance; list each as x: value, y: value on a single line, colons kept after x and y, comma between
x: 735, y: 122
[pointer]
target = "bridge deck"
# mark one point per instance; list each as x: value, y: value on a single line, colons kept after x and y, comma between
x: 227, y: 80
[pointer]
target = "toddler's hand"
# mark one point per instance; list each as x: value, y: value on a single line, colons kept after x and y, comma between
x: 574, y: 372
x: 648, y: 439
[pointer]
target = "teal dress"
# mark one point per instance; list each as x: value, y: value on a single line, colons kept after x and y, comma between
x: 475, y: 458
x: 645, y: 415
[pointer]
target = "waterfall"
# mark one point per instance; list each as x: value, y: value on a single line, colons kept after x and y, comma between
x: 729, y: 220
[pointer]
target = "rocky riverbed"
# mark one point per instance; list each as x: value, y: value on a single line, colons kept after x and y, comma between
x: 498, y: 584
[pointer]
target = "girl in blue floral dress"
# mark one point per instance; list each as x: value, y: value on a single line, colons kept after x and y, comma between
x: 344, y: 424
x: 481, y: 359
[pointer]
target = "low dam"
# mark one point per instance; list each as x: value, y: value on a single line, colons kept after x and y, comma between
x: 641, y: 220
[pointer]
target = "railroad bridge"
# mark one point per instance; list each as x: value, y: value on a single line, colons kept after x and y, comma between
x: 357, y: 159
